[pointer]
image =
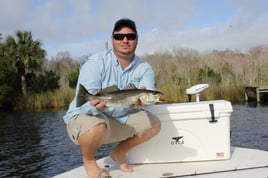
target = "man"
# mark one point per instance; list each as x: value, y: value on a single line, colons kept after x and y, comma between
x: 94, y: 124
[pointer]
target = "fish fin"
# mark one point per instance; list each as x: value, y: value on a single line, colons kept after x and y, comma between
x: 161, y: 99
x: 110, y: 89
x: 129, y: 86
x: 82, y: 96
x: 114, y: 88
x: 138, y: 103
x: 132, y: 106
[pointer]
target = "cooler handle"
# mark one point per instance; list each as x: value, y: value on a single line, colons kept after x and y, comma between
x: 211, y: 108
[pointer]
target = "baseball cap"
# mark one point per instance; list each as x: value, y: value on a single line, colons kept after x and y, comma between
x: 125, y: 23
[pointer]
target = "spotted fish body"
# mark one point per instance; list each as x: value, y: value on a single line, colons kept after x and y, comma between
x: 119, y: 98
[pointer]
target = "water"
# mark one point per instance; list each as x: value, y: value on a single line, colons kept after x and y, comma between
x: 36, y: 144
x: 249, y: 126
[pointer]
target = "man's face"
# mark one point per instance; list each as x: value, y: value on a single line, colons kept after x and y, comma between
x: 124, y: 41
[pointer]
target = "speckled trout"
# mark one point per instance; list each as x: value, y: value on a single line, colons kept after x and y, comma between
x: 114, y: 97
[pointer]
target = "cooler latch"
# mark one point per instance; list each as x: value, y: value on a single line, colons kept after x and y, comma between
x: 211, y: 108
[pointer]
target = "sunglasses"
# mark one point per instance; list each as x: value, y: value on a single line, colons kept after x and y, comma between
x: 120, y: 36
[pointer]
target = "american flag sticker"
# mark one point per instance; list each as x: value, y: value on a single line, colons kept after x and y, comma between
x: 220, y: 154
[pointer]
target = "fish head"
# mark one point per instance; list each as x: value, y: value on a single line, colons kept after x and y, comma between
x: 150, y: 97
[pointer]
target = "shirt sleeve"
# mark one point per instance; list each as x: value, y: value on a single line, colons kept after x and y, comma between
x: 90, y: 77
x: 148, y: 79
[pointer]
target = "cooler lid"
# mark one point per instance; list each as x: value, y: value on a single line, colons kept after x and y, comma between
x: 199, y: 109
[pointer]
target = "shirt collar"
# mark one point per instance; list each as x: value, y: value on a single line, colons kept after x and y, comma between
x: 116, y: 62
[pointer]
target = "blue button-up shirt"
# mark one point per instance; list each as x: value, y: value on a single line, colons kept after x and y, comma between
x: 104, y: 70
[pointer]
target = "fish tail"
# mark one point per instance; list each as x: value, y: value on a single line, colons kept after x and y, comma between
x: 82, y: 96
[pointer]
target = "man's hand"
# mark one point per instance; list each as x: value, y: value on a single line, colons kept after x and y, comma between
x: 98, y: 104
x: 140, y: 103
x: 143, y: 88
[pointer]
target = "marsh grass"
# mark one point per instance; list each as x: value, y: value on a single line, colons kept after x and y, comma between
x: 56, y: 99
x: 227, y: 72
x: 177, y: 94
x: 172, y: 94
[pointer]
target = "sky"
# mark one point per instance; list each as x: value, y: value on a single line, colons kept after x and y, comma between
x: 82, y: 27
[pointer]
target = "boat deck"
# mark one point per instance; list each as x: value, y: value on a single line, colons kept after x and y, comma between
x: 244, y: 163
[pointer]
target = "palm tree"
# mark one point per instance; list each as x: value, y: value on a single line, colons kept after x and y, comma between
x: 27, y: 55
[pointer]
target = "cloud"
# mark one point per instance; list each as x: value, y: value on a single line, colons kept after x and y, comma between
x: 12, y: 14
x: 244, y: 29
x: 83, y: 26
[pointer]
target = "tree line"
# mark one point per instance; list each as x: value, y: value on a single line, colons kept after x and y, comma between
x: 188, y: 67
x: 24, y: 69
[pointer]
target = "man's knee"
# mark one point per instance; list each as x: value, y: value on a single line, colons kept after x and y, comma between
x: 157, y: 127
x: 100, y: 129
x: 95, y: 134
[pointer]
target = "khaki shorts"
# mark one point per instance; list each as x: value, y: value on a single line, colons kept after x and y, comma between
x: 137, y: 123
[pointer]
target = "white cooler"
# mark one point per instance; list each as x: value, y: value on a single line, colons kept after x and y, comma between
x: 195, y: 131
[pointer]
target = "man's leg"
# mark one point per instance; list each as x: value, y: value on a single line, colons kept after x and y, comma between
x: 89, y: 143
x: 89, y: 132
x: 119, y: 153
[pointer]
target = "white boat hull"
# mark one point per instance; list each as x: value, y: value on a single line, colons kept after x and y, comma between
x: 201, y: 141
x: 244, y: 163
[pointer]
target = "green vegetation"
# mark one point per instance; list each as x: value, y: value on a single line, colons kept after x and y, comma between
x: 227, y: 72
x: 22, y: 74
x: 178, y: 93
x: 26, y: 54
x: 29, y: 81
x: 57, y: 99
